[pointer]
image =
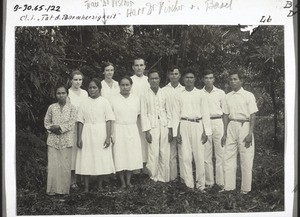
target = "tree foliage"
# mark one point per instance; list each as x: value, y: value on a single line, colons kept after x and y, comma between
x: 47, y: 55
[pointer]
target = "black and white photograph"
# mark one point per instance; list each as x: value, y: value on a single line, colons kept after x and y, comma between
x: 149, y: 119
x: 120, y: 107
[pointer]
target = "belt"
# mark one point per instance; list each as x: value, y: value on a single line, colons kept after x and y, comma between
x: 217, y: 117
x: 242, y: 121
x: 192, y: 120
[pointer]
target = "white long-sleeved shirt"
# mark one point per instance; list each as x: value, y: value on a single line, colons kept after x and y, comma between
x: 240, y: 104
x: 215, y: 100
x: 171, y: 93
x: 154, y: 107
x: 140, y: 85
x: 192, y: 105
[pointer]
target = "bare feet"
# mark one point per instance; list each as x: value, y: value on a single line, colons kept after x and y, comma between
x: 129, y: 185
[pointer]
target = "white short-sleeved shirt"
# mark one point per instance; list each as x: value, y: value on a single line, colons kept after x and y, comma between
x: 240, y: 104
x: 215, y: 100
x: 109, y: 92
x: 192, y: 105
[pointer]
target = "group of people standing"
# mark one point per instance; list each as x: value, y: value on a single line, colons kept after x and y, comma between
x: 134, y: 126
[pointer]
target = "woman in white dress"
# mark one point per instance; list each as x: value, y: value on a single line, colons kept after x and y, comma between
x: 76, y: 96
x: 127, y: 150
x: 110, y: 87
x: 94, y: 155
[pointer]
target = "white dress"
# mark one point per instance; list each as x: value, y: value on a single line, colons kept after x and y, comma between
x: 93, y: 158
x: 127, y: 150
x: 76, y: 100
x: 109, y: 92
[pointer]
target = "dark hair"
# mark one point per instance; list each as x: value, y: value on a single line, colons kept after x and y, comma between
x: 126, y: 77
x: 97, y: 82
x: 237, y: 71
x: 139, y: 58
x: 59, y: 85
x: 208, y: 72
x: 154, y: 71
x: 76, y: 72
x: 172, y: 68
x: 105, y: 64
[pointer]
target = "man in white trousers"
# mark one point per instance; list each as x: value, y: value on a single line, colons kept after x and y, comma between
x: 139, y: 86
x: 191, y: 112
x: 155, y: 122
x: 239, y: 120
x: 215, y: 99
x: 171, y: 89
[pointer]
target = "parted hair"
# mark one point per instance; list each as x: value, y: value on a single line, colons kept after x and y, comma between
x: 97, y: 82
x: 126, y: 77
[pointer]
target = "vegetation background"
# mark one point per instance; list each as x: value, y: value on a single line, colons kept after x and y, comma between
x: 47, y: 55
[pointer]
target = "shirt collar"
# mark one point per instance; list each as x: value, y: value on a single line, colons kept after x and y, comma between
x: 213, y: 90
x: 178, y: 86
x: 239, y: 91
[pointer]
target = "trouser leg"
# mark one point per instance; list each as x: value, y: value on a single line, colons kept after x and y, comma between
x: 246, y: 159
x: 230, y: 158
x: 198, y: 154
x: 153, y: 153
x: 164, y: 156
x: 186, y: 154
x: 219, y: 150
x: 173, y: 160
x: 208, y: 163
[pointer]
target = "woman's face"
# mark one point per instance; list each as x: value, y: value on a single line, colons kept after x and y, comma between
x: 61, y: 95
x: 109, y: 71
x: 94, y: 90
x: 125, y: 86
x: 77, y: 81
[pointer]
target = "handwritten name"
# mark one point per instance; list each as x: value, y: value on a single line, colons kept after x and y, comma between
x: 162, y: 7
x: 105, y: 3
x: 211, y: 5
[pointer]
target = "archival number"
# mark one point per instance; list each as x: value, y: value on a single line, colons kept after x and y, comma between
x: 26, y: 7
x: 265, y: 19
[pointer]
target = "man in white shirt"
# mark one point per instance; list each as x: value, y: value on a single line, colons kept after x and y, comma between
x: 239, y: 120
x: 171, y: 89
x: 192, y: 115
x: 139, y: 86
x: 215, y: 98
x: 155, y: 123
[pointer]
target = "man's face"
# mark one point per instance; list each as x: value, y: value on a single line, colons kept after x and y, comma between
x: 154, y: 80
x: 189, y: 79
x: 235, y: 82
x: 174, y: 76
x: 209, y: 80
x: 139, y: 67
